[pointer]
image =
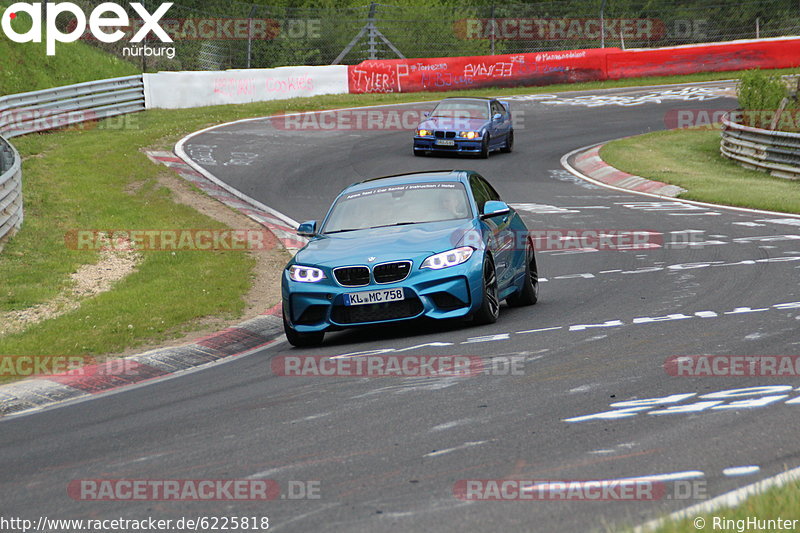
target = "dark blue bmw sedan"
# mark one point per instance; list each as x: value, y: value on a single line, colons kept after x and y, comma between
x: 466, y: 126
x: 436, y: 244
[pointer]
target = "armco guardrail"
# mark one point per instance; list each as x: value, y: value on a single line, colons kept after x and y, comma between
x: 10, y: 191
x: 48, y: 109
x: 776, y: 152
x: 54, y: 108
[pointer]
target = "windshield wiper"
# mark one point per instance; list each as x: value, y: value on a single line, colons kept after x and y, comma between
x: 342, y: 230
x: 396, y: 224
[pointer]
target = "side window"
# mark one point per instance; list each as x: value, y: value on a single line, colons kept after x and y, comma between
x: 490, y: 192
x: 497, y: 107
x: 479, y: 191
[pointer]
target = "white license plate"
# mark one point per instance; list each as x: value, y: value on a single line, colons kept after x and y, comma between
x: 374, y: 297
x: 445, y: 142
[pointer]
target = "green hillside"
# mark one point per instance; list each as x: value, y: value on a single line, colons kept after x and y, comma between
x: 26, y: 67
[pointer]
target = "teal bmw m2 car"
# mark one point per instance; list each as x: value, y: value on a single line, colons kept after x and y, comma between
x: 436, y: 244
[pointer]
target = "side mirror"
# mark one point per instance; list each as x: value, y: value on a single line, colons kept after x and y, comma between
x: 497, y: 117
x: 495, y: 208
x: 426, y: 114
x: 307, y: 229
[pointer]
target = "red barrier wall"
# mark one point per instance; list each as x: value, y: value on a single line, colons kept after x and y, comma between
x: 449, y: 73
x: 736, y: 55
x: 545, y: 68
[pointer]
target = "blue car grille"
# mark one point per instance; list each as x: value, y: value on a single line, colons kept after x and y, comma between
x: 391, y: 272
x: 376, y: 312
x: 444, y: 134
x: 353, y: 276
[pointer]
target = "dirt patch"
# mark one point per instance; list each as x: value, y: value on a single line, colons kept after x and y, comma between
x: 266, y: 289
x: 117, y: 262
x: 89, y: 280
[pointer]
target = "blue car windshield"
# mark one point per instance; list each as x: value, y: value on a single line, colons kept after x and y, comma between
x: 462, y: 109
x: 396, y: 205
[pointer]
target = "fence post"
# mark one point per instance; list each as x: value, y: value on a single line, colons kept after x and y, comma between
x: 373, y: 50
x: 250, y: 34
x: 492, y: 22
x: 603, y: 24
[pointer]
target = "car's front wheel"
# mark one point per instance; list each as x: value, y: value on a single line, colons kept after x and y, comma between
x: 302, y: 340
x: 529, y: 293
x: 485, y: 147
x: 509, y: 143
x: 418, y: 153
x: 489, y: 310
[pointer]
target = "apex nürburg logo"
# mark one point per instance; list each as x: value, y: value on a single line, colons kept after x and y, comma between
x: 104, y: 17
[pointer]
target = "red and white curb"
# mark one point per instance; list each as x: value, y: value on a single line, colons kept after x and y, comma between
x: 278, y: 226
x: 40, y: 392
x: 589, y: 163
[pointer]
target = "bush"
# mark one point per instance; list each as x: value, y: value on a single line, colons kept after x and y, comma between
x: 761, y: 93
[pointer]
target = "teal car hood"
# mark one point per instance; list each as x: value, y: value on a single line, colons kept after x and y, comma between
x: 384, y: 244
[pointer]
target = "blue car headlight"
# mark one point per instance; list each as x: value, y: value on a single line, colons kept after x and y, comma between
x: 424, y: 132
x: 469, y: 134
x: 449, y: 258
x: 305, y: 274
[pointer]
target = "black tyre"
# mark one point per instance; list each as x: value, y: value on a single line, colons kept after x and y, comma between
x: 485, y: 147
x: 302, y: 340
x: 509, y: 143
x: 418, y: 153
x: 490, y: 304
x: 529, y: 293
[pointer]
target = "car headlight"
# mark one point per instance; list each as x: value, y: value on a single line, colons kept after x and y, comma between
x: 448, y: 258
x: 424, y: 133
x: 469, y: 134
x: 305, y: 274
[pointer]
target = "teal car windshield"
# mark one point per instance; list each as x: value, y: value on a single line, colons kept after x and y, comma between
x: 396, y: 205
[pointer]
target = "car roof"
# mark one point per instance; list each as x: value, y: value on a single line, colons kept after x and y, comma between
x: 482, y: 98
x: 412, y: 177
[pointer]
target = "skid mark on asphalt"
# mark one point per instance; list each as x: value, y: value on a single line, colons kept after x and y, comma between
x: 679, y: 267
x: 611, y: 323
x: 699, y: 94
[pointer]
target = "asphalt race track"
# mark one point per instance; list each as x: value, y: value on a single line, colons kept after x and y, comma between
x: 388, y: 452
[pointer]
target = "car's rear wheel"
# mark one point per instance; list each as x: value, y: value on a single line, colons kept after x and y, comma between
x: 509, y: 143
x: 302, y: 340
x: 485, y: 147
x: 529, y: 293
x: 489, y: 310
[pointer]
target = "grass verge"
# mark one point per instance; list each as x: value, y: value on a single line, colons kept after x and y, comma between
x: 27, y: 67
x: 777, y: 502
x: 98, y: 178
x: 691, y: 159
